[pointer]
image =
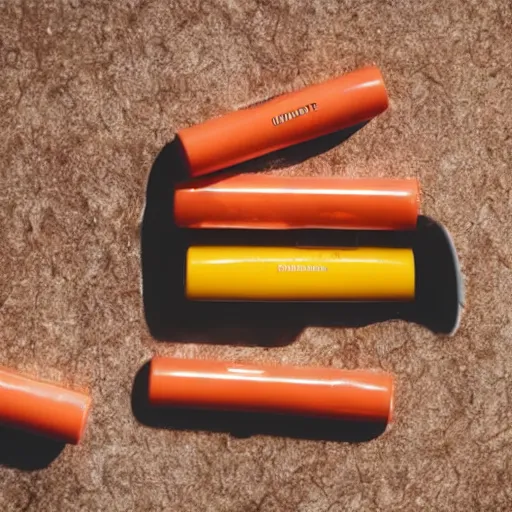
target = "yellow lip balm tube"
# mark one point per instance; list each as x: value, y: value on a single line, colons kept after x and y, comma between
x: 245, y: 273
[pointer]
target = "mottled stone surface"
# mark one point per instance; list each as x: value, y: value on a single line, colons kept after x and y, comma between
x: 89, y: 94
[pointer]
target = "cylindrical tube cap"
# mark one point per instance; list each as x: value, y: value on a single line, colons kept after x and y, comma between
x: 245, y: 273
x: 42, y: 408
x: 319, y: 392
x: 283, y: 121
x: 255, y: 201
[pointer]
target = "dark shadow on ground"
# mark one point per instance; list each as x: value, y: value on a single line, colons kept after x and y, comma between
x: 170, y: 317
x: 26, y: 451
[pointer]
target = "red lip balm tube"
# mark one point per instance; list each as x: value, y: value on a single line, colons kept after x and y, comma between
x: 283, y: 121
x: 42, y: 408
x: 318, y: 392
x: 256, y: 201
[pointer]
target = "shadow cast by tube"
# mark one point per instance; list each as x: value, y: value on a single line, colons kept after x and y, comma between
x: 298, y: 153
x: 243, y: 425
x: 169, y: 316
x: 26, y: 451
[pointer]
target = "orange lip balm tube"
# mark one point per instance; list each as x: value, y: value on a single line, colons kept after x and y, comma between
x: 255, y: 201
x: 318, y: 392
x: 283, y: 121
x: 245, y: 273
x: 42, y: 408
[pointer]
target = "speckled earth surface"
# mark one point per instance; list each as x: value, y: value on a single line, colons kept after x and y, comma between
x: 89, y: 94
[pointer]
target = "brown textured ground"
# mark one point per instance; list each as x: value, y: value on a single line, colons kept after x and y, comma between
x: 89, y: 94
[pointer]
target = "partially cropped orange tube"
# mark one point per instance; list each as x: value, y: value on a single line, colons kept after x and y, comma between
x: 42, y: 408
x: 283, y: 121
x: 320, y: 392
x: 255, y: 201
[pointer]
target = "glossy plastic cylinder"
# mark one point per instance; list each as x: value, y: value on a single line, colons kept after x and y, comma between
x: 216, y: 273
x: 283, y: 121
x: 42, y: 408
x: 255, y: 201
x: 318, y: 392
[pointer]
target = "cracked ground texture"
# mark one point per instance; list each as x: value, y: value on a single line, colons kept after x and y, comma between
x: 89, y: 94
